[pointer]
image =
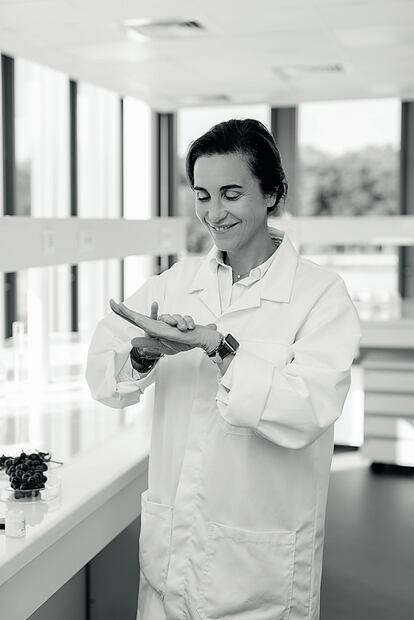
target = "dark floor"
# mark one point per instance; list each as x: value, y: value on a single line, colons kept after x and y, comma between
x: 368, y: 569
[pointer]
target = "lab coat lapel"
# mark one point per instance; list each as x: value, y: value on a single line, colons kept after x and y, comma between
x: 205, y: 284
x: 276, y: 284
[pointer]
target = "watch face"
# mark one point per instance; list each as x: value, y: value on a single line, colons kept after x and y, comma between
x: 228, y: 347
x: 232, y: 342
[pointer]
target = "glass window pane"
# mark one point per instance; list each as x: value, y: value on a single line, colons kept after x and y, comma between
x: 137, y: 184
x: 349, y: 166
x: 98, y: 152
x: 42, y: 140
x: 99, y: 195
x: 348, y: 153
x: 42, y: 172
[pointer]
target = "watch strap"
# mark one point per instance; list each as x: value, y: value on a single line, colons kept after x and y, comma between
x: 140, y: 362
x: 213, y: 353
x: 227, y: 346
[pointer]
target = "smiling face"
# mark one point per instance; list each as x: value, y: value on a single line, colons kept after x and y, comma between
x: 228, y: 195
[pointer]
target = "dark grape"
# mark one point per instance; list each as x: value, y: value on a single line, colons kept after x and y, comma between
x: 26, y: 472
x: 46, y: 456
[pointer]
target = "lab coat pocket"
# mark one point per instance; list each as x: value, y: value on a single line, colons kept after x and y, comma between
x: 155, y: 542
x: 248, y: 575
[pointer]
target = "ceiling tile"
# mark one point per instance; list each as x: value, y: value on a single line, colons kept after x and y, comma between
x: 370, y: 13
x: 374, y: 36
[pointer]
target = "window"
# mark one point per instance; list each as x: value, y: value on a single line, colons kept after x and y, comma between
x: 137, y: 184
x: 42, y: 177
x: 349, y: 158
x: 99, y: 196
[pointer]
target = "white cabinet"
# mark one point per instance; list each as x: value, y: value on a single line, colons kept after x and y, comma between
x: 389, y: 406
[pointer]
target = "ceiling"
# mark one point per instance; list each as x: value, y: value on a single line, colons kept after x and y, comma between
x: 280, y: 52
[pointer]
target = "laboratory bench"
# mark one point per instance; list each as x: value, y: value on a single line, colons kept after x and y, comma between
x: 105, y: 470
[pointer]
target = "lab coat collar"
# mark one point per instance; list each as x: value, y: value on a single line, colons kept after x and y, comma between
x: 275, y: 285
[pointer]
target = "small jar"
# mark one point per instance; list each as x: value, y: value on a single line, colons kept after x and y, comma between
x: 15, y: 523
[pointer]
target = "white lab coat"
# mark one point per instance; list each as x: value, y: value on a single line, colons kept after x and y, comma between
x: 232, y: 525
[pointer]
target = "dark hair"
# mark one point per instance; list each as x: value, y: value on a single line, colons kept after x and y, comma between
x: 251, y: 139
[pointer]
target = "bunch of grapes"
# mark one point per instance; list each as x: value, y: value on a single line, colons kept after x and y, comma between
x: 26, y: 472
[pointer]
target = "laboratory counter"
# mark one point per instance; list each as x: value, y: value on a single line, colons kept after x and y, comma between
x: 105, y: 469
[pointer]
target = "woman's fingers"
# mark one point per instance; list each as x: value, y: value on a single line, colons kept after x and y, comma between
x: 169, y: 319
x: 181, y: 322
x: 155, y: 328
x: 154, y: 310
x: 122, y: 311
x: 177, y: 320
x: 190, y: 321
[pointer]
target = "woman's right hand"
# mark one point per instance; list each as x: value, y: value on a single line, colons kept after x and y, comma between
x: 149, y: 346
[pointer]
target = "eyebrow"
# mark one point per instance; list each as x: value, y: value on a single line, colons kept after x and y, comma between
x: 231, y: 186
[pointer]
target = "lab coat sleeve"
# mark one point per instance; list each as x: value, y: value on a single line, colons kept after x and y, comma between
x: 107, y: 370
x: 293, y: 405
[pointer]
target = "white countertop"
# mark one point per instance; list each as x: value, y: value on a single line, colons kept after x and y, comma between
x: 104, y: 451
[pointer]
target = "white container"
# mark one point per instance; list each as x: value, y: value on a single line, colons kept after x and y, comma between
x: 15, y: 523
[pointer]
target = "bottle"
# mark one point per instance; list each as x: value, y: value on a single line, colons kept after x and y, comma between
x: 15, y: 523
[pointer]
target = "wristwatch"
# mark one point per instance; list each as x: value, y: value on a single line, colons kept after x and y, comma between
x: 228, y: 345
x: 142, y: 363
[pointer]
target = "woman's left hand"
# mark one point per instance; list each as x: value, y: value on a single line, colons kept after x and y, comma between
x: 204, y: 336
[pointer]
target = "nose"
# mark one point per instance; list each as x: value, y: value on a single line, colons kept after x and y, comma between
x: 215, y: 213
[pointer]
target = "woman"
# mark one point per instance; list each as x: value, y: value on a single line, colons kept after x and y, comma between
x: 251, y: 356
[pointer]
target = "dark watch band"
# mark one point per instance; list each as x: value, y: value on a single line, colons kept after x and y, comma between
x: 227, y: 346
x: 140, y: 362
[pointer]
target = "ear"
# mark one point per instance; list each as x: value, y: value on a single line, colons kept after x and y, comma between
x: 270, y: 200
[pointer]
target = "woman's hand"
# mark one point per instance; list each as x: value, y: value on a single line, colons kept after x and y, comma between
x: 203, y: 336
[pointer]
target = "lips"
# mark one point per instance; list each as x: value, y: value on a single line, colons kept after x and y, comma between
x: 225, y: 230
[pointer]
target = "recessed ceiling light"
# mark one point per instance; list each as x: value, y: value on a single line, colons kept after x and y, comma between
x: 146, y: 29
x: 299, y: 72
x: 204, y: 99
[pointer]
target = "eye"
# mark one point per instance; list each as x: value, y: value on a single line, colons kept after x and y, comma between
x: 202, y: 198
x: 232, y: 196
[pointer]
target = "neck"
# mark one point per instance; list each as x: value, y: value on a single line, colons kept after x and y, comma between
x: 242, y: 264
